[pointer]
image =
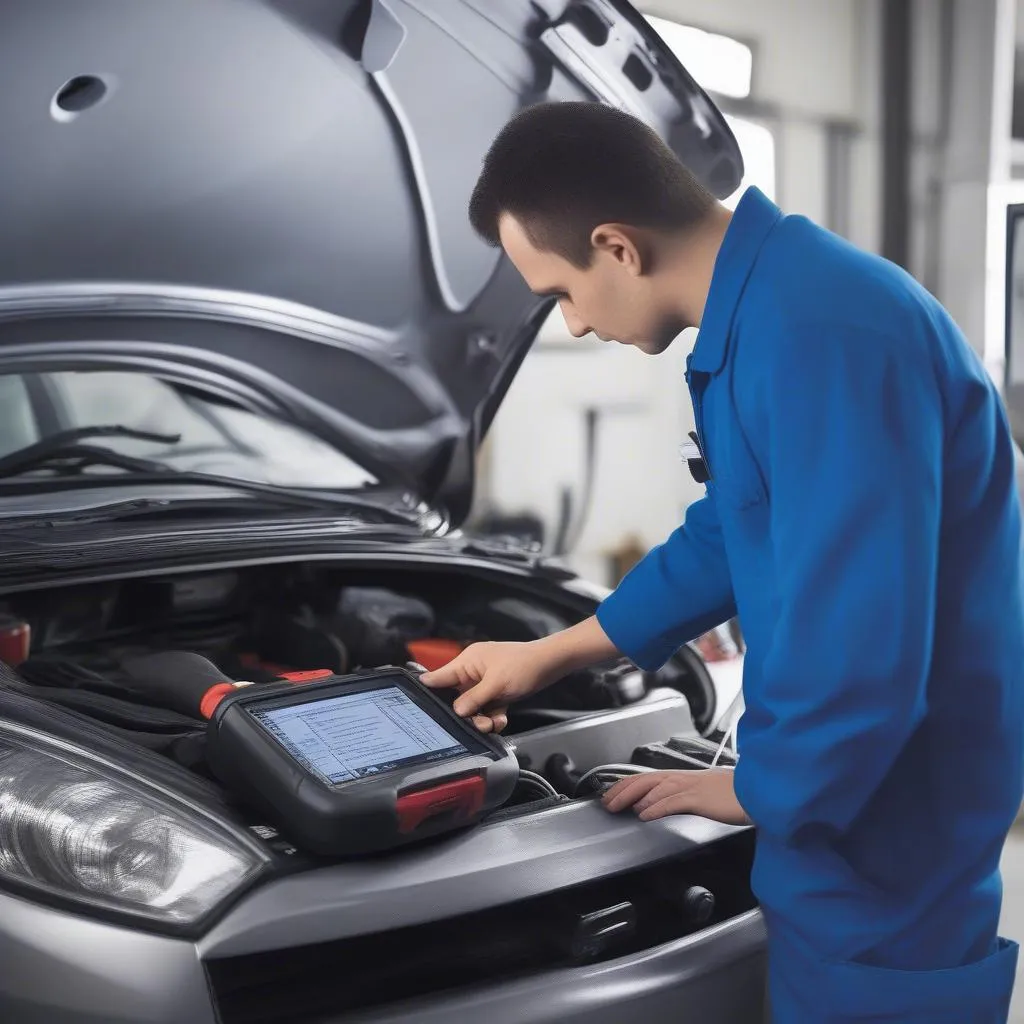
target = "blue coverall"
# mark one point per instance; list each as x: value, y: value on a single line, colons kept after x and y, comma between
x: 862, y: 519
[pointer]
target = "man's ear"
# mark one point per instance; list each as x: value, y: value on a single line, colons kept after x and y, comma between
x: 625, y: 245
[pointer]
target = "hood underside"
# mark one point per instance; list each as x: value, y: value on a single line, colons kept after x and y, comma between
x: 268, y: 199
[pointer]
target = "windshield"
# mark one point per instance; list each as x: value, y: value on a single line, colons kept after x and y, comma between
x: 214, y: 437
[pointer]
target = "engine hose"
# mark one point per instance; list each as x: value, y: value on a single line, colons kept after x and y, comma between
x: 563, y: 773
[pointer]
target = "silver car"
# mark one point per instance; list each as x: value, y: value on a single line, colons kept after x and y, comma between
x: 248, y: 348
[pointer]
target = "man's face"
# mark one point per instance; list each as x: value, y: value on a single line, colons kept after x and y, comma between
x: 614, y: 297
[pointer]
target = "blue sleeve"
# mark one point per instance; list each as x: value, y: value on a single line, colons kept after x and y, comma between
x: 682, y: 588
x: 853, y: 457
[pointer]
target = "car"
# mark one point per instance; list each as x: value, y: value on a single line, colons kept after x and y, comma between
x: 249, y: 346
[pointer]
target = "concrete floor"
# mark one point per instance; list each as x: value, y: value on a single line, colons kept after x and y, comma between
x: 1013, y: 911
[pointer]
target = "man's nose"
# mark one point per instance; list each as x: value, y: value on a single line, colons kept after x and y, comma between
x: 576, y: 327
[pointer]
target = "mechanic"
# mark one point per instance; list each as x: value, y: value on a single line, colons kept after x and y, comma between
x: 860, y: 515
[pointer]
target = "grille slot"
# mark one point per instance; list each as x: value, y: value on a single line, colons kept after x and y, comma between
x: 320, y: 983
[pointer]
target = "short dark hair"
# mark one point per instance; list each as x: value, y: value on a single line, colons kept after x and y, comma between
x: 561, y: 169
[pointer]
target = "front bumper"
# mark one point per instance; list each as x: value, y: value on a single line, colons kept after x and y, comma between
x: 714, y: 977
x: 59, y: 968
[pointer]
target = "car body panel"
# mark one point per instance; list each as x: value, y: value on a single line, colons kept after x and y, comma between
x: 715, y: 975
x: 300, y: 240
x: 484, y: 868
x: 59, y: 968
x: 112, y: 972
x: 78, y: 971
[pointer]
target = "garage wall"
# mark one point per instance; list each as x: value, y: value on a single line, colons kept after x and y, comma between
x: 962, y: 83
x: 815, y: 85
x: 816, y: 71
x: 641, y: 488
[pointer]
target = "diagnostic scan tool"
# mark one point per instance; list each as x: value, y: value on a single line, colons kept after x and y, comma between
x: 358, y: 764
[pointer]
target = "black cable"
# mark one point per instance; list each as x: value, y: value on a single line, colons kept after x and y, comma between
x: 603, y: 775
x: 591, y: 418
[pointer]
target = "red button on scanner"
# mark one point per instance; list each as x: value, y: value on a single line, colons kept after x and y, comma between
x: 464, y: 796
x: 308, y: 676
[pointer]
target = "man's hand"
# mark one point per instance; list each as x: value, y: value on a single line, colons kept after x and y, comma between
x: 708, y: 793
x: 492, y: 675
x: 489, y: 677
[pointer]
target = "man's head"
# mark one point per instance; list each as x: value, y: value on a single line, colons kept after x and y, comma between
x: 592, y: 208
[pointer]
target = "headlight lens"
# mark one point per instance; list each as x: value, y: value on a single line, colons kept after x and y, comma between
x: 73, y: 827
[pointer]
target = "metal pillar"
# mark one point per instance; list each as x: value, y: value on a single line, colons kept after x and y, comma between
x: 896, y: 129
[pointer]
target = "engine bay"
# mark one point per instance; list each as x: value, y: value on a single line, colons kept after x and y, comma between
x: 79, y: 647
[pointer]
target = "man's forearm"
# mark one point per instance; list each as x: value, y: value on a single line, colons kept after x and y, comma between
x: 577, y: 647
x: 677, y: 591
x: 682, y: 584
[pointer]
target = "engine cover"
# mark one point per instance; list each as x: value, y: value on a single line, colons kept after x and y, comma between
x: 608, y: 737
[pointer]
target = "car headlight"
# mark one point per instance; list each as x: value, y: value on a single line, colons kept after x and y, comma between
x: 74, y: 827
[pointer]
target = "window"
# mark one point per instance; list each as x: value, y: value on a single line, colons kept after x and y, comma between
x: 18, y: 427
x: 213, y: 437
x: 757, y: 144
x: 724, y: 68
x: 718, y: 64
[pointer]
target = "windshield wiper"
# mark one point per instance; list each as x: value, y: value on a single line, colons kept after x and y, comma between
x: 66, y: 456
x: 63, y: 453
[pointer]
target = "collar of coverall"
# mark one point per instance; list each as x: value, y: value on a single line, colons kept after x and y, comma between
x: 752, y: 221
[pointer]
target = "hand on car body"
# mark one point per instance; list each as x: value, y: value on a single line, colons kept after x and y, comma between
x: 709, y: 793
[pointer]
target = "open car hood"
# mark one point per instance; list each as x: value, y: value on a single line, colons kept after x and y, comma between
x: 268, y: 199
